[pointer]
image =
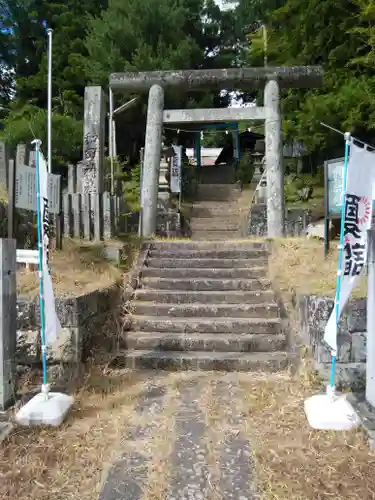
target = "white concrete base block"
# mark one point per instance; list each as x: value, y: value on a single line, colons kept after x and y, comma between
x: 45, y: 409
x: 330, y: 412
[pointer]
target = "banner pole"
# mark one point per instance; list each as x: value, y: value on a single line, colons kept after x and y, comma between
x: 45, y: 388
x: 331, y: 387
x: 49, y: 112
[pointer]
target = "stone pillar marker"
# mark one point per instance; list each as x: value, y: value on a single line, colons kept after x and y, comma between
x: 93, y: 152
x: 274, y: 160
x: 93, y: 141
x: 152, y: 157
x: 8, y: 322
x: 21, y: 155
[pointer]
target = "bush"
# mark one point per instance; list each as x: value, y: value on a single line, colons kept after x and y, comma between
x: 189, y: 181
x: 67, y: 133
x: 245, y: 170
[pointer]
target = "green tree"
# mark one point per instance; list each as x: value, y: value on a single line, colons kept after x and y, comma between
x: 141, y: 35
x: 23, y: 125
x: 338, y: 35
x: 23, y: 43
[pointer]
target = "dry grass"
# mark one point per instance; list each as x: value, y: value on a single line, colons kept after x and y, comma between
x: 74, y: 461
x: 79, y: 268
x: 67, y: 463
x: 298, y: 265
x: 3, y: 195
x: 294, y: 462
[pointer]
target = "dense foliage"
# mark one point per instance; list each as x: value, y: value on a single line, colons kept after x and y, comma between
x: 340, y: 36
x: 93, y: 38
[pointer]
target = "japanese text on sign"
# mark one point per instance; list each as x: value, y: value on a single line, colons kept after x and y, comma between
x: 176, y: 170
x: 357, y: 212
x: 25, y: 190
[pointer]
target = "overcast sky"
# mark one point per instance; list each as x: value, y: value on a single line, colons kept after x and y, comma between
x: 223, y: 5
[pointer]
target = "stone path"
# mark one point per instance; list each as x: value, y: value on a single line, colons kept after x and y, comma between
x: 190, y: 444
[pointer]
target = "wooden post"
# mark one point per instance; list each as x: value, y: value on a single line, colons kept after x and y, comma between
x: 11, y: 199
x: 96, y: 207
x: 67, y: 209
x: 87, y: 217
x: 77, y: 215
x: 59, y: 224
x: 4, y: 179
x: 8, y: 322
x: 72, y: 179
x: 108, y: 216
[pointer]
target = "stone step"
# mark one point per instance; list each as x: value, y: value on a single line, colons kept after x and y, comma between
x: 223, y: 218
x: 205, y: 325
x: 205, y: 254
x: 154, y: 272
x: 206, y: 310
x: 205, y: 342
x: 221, y: 210
x: 215, y: 224
x: 218, y: 197
x: 215, y: 204
x: 209, y: 297
x: 205, y: 284
x: 217, y: 236
x: 220, y: 188
x: 178, y: 263
x: 216, y: 192
x: 197, y: 360
x: 241, y: 244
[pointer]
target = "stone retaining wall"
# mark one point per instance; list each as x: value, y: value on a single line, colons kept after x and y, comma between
x: 80, y: 317
x: 24, y: 224
x: 296, y: 221
x: 84, y: 320
x: 168, y: 224
x: 313, y: 312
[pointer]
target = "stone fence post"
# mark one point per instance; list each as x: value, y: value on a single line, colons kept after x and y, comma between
x: 8, y: 317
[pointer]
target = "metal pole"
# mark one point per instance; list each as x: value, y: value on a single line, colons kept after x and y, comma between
x: 114, y: 147
x: 326, y: 212
x: 370, y: 347
x: 49, y: 104
x: 142, y: 153
x: 331, y: 387
x: 110, y: 145
x: 45, y: 387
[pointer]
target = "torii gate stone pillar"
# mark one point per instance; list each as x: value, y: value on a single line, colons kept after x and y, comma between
x: 274, y: 160
x: 151, y: 162
x: 271, y: 79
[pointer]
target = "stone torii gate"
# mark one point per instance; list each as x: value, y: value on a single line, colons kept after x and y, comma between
x: 269, y: 78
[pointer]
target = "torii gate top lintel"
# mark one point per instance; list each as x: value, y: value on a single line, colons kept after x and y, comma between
x: 242, y: 78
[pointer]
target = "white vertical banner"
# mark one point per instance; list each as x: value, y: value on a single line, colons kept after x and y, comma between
x: 52, y: 323
x: 176, y: 169
x: 358, y: 212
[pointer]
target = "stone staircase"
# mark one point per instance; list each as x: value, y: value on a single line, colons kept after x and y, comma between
x: 206, y: 306
x: 215, y: 212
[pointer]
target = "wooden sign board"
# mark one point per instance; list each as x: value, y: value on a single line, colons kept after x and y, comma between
x: 25, y: 190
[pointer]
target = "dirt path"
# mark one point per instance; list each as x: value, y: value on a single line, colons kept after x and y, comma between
x: 193, y: 447
x: 190, y: 435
